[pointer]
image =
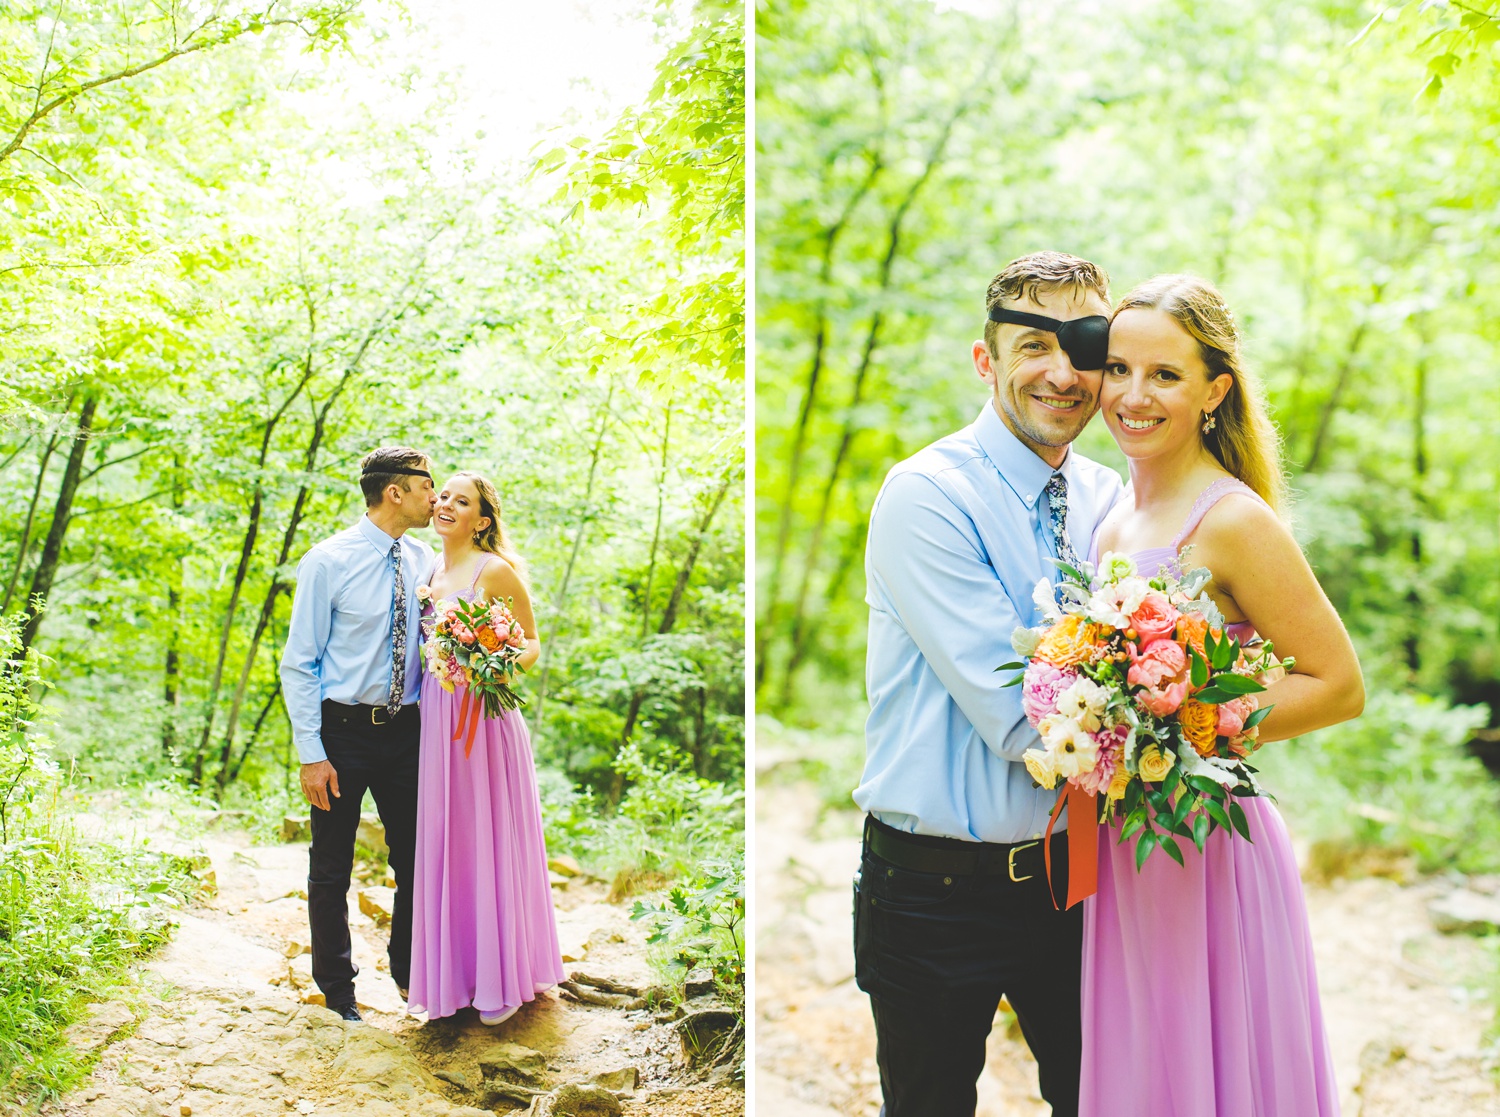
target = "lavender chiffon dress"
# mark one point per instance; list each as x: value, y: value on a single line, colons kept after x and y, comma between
x: 483, y: 933
x: 1200, y: 997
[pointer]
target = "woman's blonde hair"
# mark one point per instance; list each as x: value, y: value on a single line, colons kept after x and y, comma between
x: 1243, y: 440
x: 492, y: 538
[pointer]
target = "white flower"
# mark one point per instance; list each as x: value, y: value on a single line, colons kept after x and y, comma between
x: 1113, y: 604
x: 1042, y: 597
x: 1083, y: 701
x: 1115, y: 566
x: 1071, y: 749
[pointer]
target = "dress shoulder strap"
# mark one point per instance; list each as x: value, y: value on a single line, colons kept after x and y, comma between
x: 478, y: 570
x: 1207, y: 499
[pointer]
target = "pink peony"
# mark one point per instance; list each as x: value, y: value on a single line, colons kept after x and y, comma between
x: 1043, y: 684
x: 1232, y: 715
x: 1161, y: 667
x: 1111, y: 753
x: 1155, y: 619
x: 462, y: 633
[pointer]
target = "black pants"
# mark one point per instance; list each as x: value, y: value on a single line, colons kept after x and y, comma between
x: 383, y: 758
x: 937, y: 952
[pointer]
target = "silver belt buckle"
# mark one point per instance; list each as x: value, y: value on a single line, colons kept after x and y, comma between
x: 1011, y: 860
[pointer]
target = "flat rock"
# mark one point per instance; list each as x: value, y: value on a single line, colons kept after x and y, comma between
x: 564, y: 865
x: 625, y: 1080
x: 513, y: 1061
x: 296, y: 828
x: 579, y: 1100
x: 1465, y: 912
x: 101, y: 1022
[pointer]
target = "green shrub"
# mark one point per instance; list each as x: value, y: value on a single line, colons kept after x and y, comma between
x: 1399, y: 775
x: 699, y: 923
x: 73, y: 914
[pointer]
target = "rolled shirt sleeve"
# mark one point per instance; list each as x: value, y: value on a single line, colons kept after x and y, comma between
x: 307, y: 640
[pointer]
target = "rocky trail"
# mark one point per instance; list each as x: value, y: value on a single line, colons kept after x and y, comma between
x: 229, y: 1024
x: 1406, y: 1003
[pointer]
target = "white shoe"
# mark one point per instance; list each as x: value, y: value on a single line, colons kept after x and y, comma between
x: 493, y: 1018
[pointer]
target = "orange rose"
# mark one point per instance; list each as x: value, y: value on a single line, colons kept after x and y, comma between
x: 1191, y: 629
x: 1200, y: 722
x: 1069, y: 642
x: 487, y: 638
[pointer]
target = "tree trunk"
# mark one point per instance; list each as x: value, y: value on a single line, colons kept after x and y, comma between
x: 560, y: 600
x: 1413, y: 642
x: 24, y: 545
x: 46, y: 567
x: 669, y: 615
x: 867, y: 359
x: 770, y: 617
x: 172, y: 680
x: 1340, y: 384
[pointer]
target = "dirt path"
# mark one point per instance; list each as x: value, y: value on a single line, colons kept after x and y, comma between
x: 1405, y: 1012
x: 225, y: 1025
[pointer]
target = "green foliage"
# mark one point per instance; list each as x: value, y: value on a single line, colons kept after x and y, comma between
x: 1400, y: 776
x: 73, y: 914
x: 700, y: 924
x: 680, y: 152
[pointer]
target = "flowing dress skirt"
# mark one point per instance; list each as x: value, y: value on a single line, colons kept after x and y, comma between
x: 483, y: 932
x: 1199, y: 993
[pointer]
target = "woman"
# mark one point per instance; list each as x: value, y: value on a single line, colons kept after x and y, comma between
x: 482, y: 932
x: 1199, y: 994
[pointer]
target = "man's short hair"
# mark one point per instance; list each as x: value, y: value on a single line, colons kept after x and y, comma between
x: 1041, y: 273
x: 383, y: 467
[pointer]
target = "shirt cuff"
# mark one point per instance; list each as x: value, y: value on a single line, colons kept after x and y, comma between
x: 310, y: 748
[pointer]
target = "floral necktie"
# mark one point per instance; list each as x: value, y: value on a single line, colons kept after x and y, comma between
x: 1057, y: 515
x: 398, y: 636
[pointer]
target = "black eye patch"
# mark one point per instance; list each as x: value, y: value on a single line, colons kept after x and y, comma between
x: 1084, y: 340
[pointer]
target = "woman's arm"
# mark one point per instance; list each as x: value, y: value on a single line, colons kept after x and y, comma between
x: 499, y: 579
x: 1261, y: 574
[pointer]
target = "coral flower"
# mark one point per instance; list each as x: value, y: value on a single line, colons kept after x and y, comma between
x: 487, y: 638
x: 1191, y: 629
x: 1155, y: 619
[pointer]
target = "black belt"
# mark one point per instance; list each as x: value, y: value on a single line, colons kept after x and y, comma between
x: 361, y: 713
x: 920, y: 853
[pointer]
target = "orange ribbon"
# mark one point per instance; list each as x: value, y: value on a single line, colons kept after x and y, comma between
x: 468, y: 714
x: 1083, y: 844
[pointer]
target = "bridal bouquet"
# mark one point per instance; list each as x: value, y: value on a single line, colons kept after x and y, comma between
x: 478, y: 646
x: 1140, y: 696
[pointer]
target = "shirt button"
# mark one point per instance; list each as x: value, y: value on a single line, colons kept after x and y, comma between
x: 1037, y: 836
x: 890, y: 872
x: 947, y: 880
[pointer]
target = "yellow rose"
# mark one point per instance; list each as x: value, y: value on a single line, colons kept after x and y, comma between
x: 1070, y: 641
x: 1041, y: 767
x: 1199, y: 722
x: 1154, y: 764
x: 1117, y: 786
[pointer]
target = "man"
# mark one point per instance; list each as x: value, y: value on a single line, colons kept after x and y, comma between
x: 351, y: 678
x: 952, y: 905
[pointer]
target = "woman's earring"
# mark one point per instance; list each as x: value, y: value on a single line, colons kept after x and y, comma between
x: 1209, y: 422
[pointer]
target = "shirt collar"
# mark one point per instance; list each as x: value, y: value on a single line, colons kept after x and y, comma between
x: 377, y: 538
x: 1025, y: 472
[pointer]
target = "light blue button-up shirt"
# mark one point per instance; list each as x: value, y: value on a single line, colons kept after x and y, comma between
x: 959, y: 537
x: 339, y: 643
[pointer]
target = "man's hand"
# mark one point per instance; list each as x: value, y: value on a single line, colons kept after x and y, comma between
x: 317, y: 781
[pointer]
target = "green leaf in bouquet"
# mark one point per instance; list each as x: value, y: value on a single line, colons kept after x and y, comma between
x: 1199, y: 672
x: 1224, y: 652
x: 1213, y: 694
x: 1133, y: 794
x: 1203, y: 785
x: 1172, y: 851
x: 1181, y: 810
x: 1202, y: 827
x: 1241, y: 823
x: 1234, y: 684
x: 1143, y: 850
x: 1258, y: 716
x: 1014, y: 665
x: 1134, y: 823
x: 1071, y: 571
x: 1217, y: 812
x: 1017, y: 681
x: 1171, y: 783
